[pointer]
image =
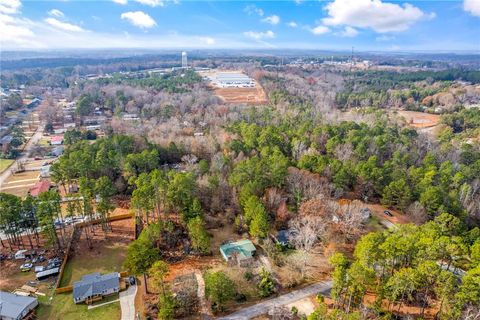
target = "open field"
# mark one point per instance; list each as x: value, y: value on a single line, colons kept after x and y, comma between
x: 242, y: 95
x: 420, y: 120
x: 20, y: 183
x: 5, y: 163
x: 107, y: 255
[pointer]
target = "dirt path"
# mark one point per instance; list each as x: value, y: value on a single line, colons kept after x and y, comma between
x: 204, y: 309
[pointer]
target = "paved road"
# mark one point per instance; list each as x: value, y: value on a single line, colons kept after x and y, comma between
x: 266, y: 306
x: 127, y: 302
x: 33, y: 140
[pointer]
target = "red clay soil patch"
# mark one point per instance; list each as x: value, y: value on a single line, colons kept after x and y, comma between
x: 242, y: 95
x: 420, y: 119
x: 398, y: 217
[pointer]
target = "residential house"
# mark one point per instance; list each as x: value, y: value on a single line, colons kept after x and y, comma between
x: 56, y: 140
x: 16, y: 307
x: 238, y: 253
x: 39, y: 187
x: 57, y: 151
x: 95, y: 286
x: 5, y: 142
x: 45, y: 171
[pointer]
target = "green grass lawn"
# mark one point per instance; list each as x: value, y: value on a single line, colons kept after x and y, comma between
x: 107, y: 259
x: 5, y: 163
x: 61, y: 307
x: 44, y: 142
x: 104, y: 259
x: 374, y: 224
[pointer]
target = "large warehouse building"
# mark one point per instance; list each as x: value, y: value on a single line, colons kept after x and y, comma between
x: 231, y: 79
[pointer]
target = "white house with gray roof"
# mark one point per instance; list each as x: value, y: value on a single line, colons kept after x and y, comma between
x: 15, y: 307
x: 95, y: 286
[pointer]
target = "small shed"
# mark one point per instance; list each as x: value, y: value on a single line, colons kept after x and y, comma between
x: 240, y: 252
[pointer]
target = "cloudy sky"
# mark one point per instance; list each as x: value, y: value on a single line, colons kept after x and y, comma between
x: 338, y: 24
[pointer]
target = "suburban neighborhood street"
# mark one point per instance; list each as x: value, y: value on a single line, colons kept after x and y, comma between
x: 323, y: 287
x: 30, y: 143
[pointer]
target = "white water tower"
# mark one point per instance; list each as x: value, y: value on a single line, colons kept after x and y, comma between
x: 184, y: 60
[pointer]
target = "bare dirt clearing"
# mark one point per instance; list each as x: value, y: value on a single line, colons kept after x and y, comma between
x: 254, y: 95
x: 419, y: 120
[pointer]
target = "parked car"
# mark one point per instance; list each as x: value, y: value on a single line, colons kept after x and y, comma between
x: 39, y: 269
x: 26, y: 267
x: 388, y: 213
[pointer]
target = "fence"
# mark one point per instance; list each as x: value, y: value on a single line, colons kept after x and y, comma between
x: 77, y: 232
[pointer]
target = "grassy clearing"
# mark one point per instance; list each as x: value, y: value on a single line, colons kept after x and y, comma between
x: 5, y: 163
x: 44, y: 142
x: 61, y: 307
x: 374, y: 224
x: 104, y: 260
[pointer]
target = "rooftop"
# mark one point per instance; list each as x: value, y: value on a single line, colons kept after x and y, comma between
x: 39, y: 187
x: 94, y: 284
x: 244, y: 248
x: 12, y: 306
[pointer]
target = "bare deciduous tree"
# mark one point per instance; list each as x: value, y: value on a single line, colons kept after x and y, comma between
x: 306, y: 232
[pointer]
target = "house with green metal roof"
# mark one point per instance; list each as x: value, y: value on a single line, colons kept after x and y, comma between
x: 240, y: 252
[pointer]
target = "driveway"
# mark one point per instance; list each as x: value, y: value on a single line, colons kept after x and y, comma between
x: 127, y: 303
x: 266, y: 306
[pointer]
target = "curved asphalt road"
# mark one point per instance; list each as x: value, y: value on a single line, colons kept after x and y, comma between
x: 265, y: 306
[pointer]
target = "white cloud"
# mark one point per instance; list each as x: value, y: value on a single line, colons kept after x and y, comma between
x: 152, y: 3
x: 273, y: 19
x: 10, y: 6
x: 384, y: 37
x: 207, y: 40
x: 292, y: 24
x: 472, y: 7
x: 139, y: 19
x: 122, y: 2
x: 349, y: 32
x: 375, y: 14
x: 319, y: 30
x: 252, y: 9
x: 15, y: 31
x: 259, y: 35
x: 65, y: 26
x: 55, y: 13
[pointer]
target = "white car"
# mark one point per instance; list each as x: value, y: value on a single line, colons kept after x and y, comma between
x: 26, y: 267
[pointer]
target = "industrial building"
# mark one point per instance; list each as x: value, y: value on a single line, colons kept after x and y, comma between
x: 231, y: 80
